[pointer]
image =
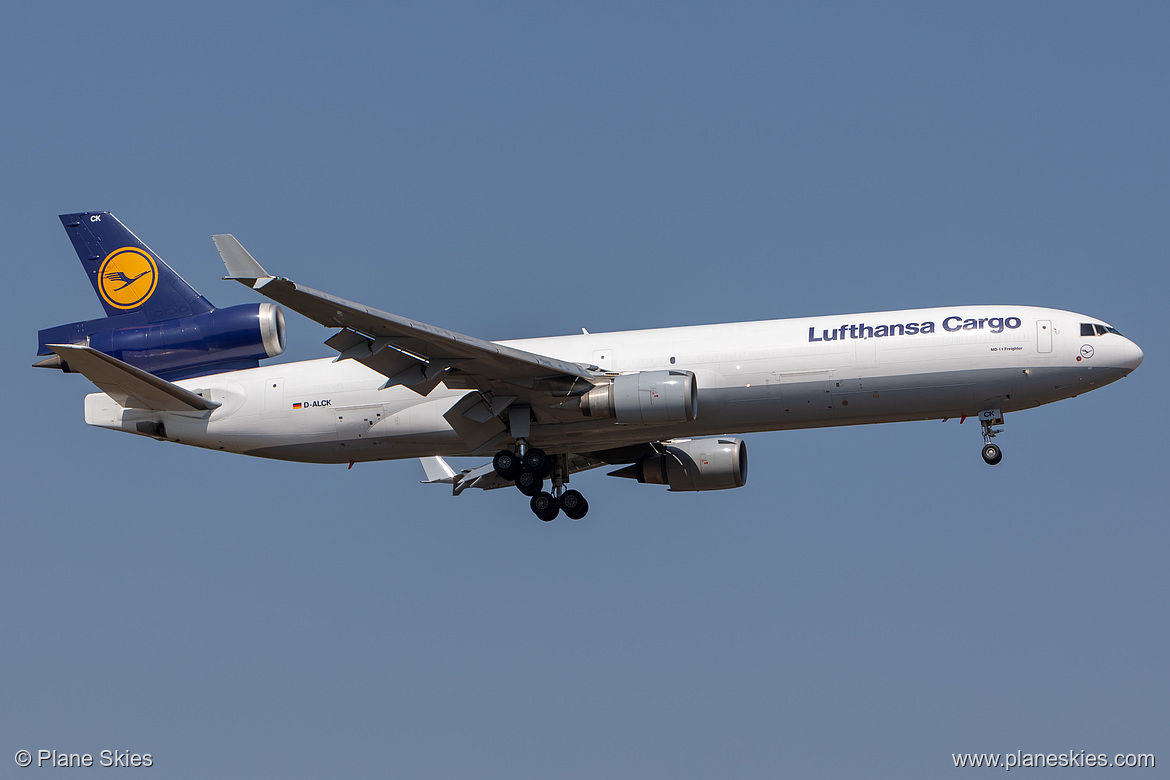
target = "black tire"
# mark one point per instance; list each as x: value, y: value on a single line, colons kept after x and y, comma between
x: 573, y: 504
x: 544, y: 506
x: 528, y: 483
x: 992, y: 454
x: 507, y: 464
x: 536, y: 461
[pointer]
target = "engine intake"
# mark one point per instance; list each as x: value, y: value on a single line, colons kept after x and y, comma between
x: 646, y: 397
x: 693, y: 464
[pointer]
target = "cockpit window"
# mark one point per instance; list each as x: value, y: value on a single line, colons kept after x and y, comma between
x: 1093, y: 329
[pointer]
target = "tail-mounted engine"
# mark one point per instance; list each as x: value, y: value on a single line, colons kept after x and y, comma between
x: 693, y: 464
x: 646, y: 397
x: 219, y: 340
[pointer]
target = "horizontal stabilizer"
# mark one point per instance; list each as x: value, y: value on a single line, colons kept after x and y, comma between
x: 129, y: 386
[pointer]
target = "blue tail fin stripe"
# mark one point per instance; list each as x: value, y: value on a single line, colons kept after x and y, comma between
x: 128, y: 277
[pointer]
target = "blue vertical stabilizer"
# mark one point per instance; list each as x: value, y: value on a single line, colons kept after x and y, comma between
x: 156, y: 322
x: 126, y: 275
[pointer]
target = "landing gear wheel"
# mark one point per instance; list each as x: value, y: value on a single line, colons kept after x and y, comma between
x: 507, y: 464
x: 992, y: 454
x: 573, y: 504
x: 528, y: 483
x: 988, y: 419
x: 536, y: 461
x: 544, y: 506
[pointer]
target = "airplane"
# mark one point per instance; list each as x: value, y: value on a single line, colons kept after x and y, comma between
x: 662, y: 405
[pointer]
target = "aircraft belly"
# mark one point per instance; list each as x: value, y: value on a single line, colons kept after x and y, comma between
x: 362, y: 450
x: 825, y: 402
x: 376, y: 433
x: 863, y: 398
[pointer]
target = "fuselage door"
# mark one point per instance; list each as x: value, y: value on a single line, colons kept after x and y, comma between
x: 603, y: 359
x: 274, y: 397
x: 1043, y: 336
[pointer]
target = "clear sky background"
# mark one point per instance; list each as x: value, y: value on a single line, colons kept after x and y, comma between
x: 873, y: 601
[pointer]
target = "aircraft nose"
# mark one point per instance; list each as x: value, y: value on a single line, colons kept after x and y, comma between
x: 1132, y: 355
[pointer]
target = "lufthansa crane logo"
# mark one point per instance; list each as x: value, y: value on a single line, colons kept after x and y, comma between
x: 127, y: 278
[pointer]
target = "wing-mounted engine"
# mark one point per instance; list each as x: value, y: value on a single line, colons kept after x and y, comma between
x: 693, y: 464
x: 646, y: 397
x: 219, y: 340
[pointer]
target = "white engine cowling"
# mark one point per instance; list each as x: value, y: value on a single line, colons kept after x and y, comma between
x: 693, y: 464
x: 646, y: 397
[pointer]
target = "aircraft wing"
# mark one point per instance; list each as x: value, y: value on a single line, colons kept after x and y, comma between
x: 408, y: 352
x: 439, y: 472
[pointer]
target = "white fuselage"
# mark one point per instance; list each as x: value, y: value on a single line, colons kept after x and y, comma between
x: 752, y: 376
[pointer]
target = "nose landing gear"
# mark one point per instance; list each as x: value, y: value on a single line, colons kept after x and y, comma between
x: 992, y: 454
x: 528, y: 469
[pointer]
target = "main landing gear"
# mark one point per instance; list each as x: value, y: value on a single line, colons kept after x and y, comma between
x: 992, y: 454
x: 529, y: 469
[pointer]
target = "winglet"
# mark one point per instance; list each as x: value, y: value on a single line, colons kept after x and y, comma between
x: 240, y: 265
x: 437, y: 470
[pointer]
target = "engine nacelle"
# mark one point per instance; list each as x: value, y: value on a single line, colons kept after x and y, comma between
x: 646, y: 397
x: 219, y: 340
x: 693, y: 464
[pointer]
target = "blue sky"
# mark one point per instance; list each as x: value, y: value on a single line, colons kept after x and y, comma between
x: 873, y: 601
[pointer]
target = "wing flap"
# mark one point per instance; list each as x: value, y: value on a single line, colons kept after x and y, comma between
x: 129, y: 386
x: 474, y: 422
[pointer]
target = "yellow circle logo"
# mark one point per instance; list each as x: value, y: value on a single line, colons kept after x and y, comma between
x: 127, y: 278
